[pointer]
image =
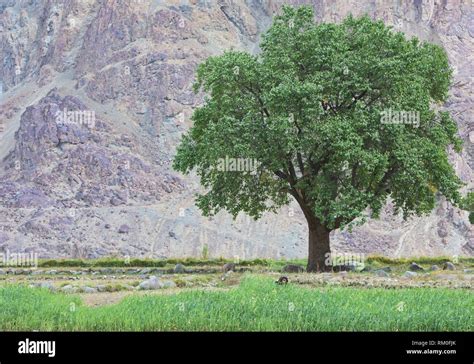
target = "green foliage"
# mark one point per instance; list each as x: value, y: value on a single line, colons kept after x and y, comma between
x: 272, y: 264
x: 467, y: 204
x: 205, y: 252
x: 102, y: 262
x: 257, y: 305
x: 157, y: 263
x: 419, y: 260
x: 308, y: 108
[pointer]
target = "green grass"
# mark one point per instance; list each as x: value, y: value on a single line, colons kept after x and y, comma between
x: 269, y: 263
x: 123, y: 263
x: 419, y: 260
x: 257, y: 304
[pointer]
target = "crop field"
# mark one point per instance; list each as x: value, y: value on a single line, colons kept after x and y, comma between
x: 201, y: 297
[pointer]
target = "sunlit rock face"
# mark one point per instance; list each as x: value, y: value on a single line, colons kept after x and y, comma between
x: 69, y: 185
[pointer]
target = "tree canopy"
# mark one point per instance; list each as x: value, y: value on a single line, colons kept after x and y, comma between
x: 309, y: 108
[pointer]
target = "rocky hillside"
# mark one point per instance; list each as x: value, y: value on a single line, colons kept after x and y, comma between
x: 101, y: 183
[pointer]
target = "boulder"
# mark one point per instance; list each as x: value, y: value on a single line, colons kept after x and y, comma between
x: 47, y: 285
x: 152, y: 283
x: 69, y: 289
x: 410, y: 274
x: 349, y: 267
x: 434, y: 267
x: 381, y: 273
x: 414, y: 267
x: 169, y: 284
x: 228, y: 267
x: 449, y: 266
x: 146, y: 271
x: 179, y: 268
x: 101, y: 288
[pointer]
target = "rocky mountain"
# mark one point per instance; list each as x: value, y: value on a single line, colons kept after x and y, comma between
x: 95, y: 95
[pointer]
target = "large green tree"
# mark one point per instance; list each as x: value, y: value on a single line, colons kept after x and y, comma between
x: 310, y: 107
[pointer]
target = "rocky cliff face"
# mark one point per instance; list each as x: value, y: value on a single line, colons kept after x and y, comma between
x: 96, y: 94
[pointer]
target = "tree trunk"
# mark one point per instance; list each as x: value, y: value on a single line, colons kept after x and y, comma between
x: 319, y: 247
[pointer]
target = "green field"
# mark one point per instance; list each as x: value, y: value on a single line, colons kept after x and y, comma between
x: 141, y: 262
x: 256, y: 304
